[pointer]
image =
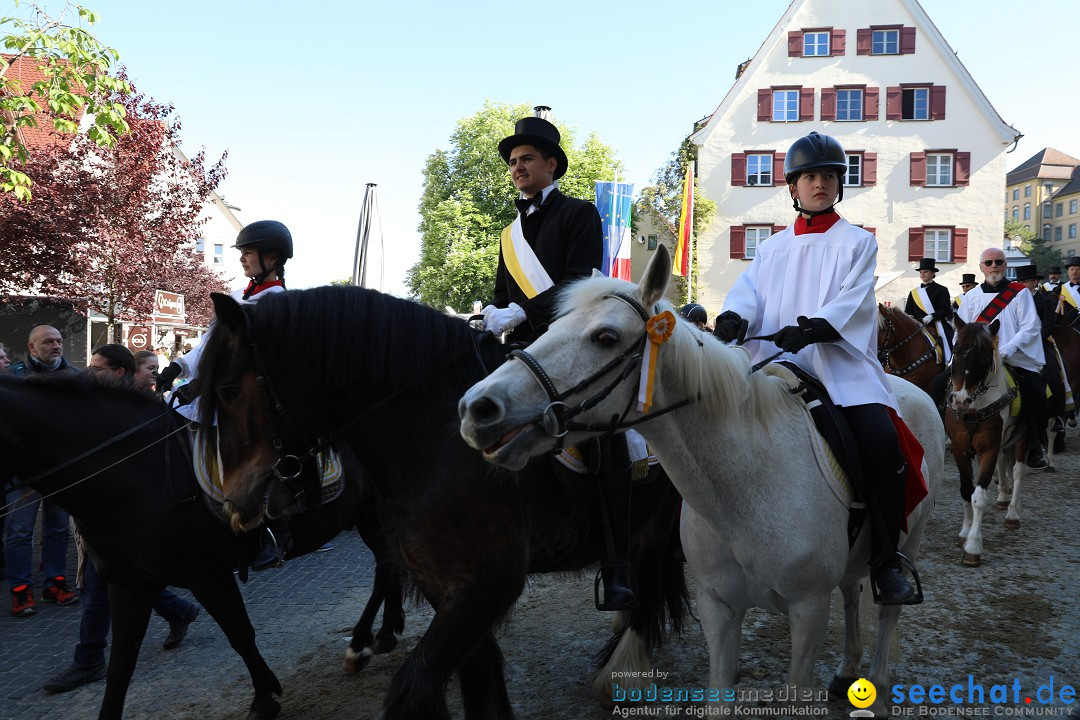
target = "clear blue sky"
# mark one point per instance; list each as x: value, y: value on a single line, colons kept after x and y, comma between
x: 313, y: 101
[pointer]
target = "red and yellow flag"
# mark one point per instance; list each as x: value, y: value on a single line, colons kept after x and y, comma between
x: 686, y: 226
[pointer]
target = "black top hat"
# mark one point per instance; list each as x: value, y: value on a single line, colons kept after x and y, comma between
x: 968, y: 279
x: 1054, y: 270
x: 928, y: 264
x: 539, y: 133
x: 1028, y: 272
x: 1072, y: 261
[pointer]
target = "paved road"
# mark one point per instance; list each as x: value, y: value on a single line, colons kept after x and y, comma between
x: 318, y: 595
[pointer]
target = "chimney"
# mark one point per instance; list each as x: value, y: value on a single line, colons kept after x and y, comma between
x: 543, y: 112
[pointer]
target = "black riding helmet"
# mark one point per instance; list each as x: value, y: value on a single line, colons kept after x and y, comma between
x: 266, y: 235
x: 694, y: 313
x: 813, y: 152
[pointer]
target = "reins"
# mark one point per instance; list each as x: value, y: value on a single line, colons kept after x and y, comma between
x: 885, y: 353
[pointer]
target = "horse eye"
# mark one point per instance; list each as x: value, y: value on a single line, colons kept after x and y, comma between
x: 606, y: 337
x: 229, y: 393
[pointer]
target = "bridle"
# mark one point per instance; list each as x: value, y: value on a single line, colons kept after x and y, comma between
x: 885, y: 353
x: 974, y: 417
x: 555, y: 420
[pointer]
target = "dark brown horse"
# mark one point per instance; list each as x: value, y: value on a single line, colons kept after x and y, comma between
x: 907, y: 348
x: 305, y: 369
x: 979, y: 424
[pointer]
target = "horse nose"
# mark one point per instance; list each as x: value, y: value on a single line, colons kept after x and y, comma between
x: 480, y: 410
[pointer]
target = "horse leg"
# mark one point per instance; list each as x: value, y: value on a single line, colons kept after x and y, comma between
x: 1019, y: 474
x: 130, y: 614
x: 393, y: 612
x: 967, y: 487
x: 980, y: 502
x: 360, y: 652
x: 888, y: 616
x: 221, y: 598
x: 1004, y: 478
x: 483, y: 684
x: 809, y: 619
x: 1052, y: 435
x: 848, y: 671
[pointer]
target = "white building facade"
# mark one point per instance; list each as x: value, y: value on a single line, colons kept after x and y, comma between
x: 926, y: 149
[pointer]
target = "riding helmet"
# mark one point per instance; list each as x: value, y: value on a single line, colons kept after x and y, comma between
x: 812, y: 152
x: 694, y: 313
x: 266, y: 235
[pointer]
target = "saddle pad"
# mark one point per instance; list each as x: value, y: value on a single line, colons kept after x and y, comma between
x: 937, y: 344
x: 206, y: 458
x: 830, y: 467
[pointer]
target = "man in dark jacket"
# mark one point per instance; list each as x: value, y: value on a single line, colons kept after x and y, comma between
x: 45, y: 354
x: 930, y: 304
x: 1052, y: 372
x: 554, y: 240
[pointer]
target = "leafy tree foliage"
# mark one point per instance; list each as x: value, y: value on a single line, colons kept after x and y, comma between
x: 108, y: 226
x: 67, y: 77
x: 1033, y: 245
x: 468, y: 199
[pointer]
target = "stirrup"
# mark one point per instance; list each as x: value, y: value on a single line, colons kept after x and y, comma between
x: 607, y: 603
x: 905, y: 564
x: 279, y: 553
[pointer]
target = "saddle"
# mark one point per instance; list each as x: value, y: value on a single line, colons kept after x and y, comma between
x: 841, y: 456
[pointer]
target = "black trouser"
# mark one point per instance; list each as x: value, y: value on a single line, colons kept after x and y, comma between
x: 1032, y: 403
x: 1051, y: 373
x: 615, y: 482
x: 884, y: 468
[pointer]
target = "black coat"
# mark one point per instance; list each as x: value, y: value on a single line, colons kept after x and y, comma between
x: 566, y: 235
x: 939, y: 298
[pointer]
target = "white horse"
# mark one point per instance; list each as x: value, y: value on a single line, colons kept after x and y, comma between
x: 760, y: 525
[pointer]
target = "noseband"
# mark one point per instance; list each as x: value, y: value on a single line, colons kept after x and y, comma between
x: 885, y: 353
x: 555, y: 419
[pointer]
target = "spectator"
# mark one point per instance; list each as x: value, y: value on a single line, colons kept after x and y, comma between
x: 45, y: 354
x: 113, y: 364
x: 146, y: 370
x: 5, y: 361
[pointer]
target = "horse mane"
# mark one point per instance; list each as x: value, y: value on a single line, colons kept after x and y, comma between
x: 718, y: 374
x: 80, y: 382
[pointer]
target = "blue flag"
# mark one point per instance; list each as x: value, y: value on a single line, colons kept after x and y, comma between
x: 613, y: 200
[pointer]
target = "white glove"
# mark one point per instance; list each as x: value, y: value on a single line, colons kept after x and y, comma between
x: 500, y: 320
x: 928, y: 319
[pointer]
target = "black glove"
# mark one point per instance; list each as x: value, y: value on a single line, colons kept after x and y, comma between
x: 728, y: 326
x: 165, y: 377
x: 794, y: 338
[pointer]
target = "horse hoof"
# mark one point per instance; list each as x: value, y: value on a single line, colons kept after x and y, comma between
x: 356, y: 661
x: 960, y: 541
x: 1011, y: 524
x: 268, y: 710
x: 384, y: 644
x: 1002, y: 505
x: 972, y: 560
x: 838, y: 688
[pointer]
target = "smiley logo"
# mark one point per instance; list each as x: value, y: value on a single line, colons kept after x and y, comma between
x: 862, y: 693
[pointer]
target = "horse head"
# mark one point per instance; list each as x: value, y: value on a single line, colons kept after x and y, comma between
x: 974, y: 363
x: 581, y: 377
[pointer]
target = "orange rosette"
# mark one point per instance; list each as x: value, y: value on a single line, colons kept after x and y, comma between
x: 660, y: 327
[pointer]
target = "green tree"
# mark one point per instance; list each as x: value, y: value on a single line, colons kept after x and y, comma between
x: 1033, y: 245
x: 665, y: 200
x: 468, y: 199
x: 64, y: 76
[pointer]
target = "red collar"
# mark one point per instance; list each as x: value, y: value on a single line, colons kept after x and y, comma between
x: 253, y: 289
x: 819, y: 224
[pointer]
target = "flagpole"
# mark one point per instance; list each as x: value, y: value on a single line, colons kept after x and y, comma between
x: 690, y: 241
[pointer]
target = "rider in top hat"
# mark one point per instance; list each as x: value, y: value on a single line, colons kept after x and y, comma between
x: 553, y: 240
x: 828, y: 326
x: 929, y: 303
x: 1052, y: 371
x: 1053, y: 280
x: 967, y: 281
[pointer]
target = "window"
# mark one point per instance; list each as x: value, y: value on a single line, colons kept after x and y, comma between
x: 1016, y: 194
x: 1048, y: 208
x: 1057, y: 234
x: 1048, y: 187
x: 1072, y: 207
x: 937, y: 244
x: 885, y: 42
x: 853, y: 177
x: 785, y: 106
x: 1046, y: 233
x: 939, y: 170
x: 652, y: 243
x: 849, y: 104
x: 759, y: 169
x: 1072, y: 231
x: 815, y: 43
x: 916, y: 104
x: 1027, y: 191
x: 755, y: 236
x: 1027, y: 211
x: 1059, y: 209
x: 943, y: 243
x: 1016, y: 213
x: 200, y: 245
x: 219, y: 254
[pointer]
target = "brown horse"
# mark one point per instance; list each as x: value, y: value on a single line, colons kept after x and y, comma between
x: 907, y: 348
x: 1066, y: 336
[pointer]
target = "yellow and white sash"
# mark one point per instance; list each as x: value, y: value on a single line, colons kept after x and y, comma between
x: 923, y: 301
x: 521, y: 261
x: 1069, y: 295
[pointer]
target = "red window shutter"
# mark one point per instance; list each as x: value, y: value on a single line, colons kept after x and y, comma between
x: 870, y: 103
x: 863, y: 37
x: 937, y: 102
x: 738, y: 242
x: 959, y: 244
x: 794, y: 43
x: 962, y: 171
x: 837, y: 42
x: 828, y: 104
x: 764, y: 105
x: 918, y: 168
x: 869, y: 169
x: 907, y: 41
x: 894, y: 103
x: 872, y: 231
x: 806, y: 103
x: 777, y: 229
x: 915, y: 242
x: 778, y: 168
x: 738, y: 169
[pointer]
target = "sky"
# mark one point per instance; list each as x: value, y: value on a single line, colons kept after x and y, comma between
x: 314, y: 101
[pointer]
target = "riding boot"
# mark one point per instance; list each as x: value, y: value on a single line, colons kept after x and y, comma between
x: 887, y: 580
x: 276, y: 541
x: 616, y: 573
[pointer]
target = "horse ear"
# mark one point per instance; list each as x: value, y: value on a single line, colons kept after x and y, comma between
x: 958, y: 322
x: 657, y: 274
x: 596, y: 273
x: 994, y: 327
x: 228, y: 311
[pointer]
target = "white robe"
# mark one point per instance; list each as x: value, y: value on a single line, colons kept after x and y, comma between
x: 1019, y: 338
x: 828, y: 275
